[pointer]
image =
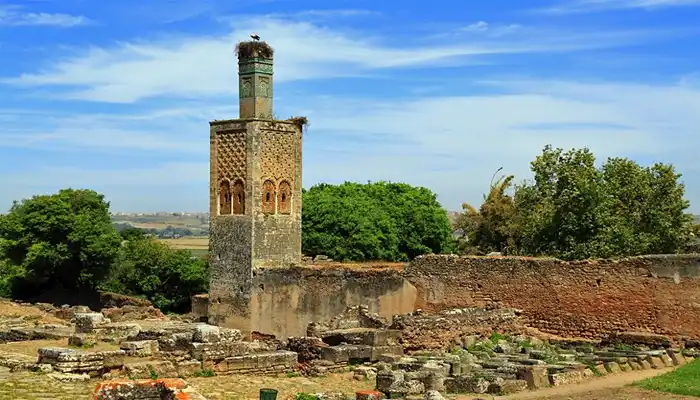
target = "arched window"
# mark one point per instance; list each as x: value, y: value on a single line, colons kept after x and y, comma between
x: 224, y: 197
x: 284, y: 198
x: 238, y: 193
x: 268, y: 197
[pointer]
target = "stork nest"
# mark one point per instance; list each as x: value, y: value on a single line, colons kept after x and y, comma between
x: 301, y: 122
x: 252, y: 49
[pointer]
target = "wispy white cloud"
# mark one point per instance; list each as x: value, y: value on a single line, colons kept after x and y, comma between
x: 584, y: 6
x: 205, y: 66
x: 13, y: 15
x: 450, y: 144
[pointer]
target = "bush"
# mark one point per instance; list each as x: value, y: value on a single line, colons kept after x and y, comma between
x: 166, y: 277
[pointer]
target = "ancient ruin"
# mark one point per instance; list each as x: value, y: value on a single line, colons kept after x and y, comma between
x: 438, y: 324
x: 255, y: 191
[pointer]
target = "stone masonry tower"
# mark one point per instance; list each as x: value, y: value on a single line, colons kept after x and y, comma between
x: 254, y: 191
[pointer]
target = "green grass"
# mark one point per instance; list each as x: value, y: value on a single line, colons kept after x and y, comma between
x: 683, y: 381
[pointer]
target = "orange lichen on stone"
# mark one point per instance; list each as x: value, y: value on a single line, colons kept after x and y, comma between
x: 143, y: 389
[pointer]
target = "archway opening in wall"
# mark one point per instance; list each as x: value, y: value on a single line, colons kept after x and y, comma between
x: 224, y: 197
x: 238, y: 197
x: 268, y: 197
x: 284, y: 198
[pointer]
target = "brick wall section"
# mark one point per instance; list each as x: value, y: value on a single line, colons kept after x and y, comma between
x: 587, y: 299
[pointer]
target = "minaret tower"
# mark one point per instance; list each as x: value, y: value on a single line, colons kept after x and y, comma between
x: 254, y: 191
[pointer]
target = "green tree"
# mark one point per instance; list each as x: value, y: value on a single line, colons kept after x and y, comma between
x: 573, y: 210
x: 60, y: 241
x: 493, y: 226
x: 147, y: 267
x: 132, y: 233
x: 373, y: 221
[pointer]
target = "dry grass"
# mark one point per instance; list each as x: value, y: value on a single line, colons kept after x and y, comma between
x: 10, y: 310
x: 248, y: 387
x: 31, y: 347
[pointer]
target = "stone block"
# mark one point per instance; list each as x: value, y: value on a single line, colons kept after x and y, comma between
x: 369, y: 395
x: 116, y: 332
x: 635, y: 365
x: 230, y: 335
x: 676, y: 357
x: 565, y: 378
x: 656, y: 362
x: 612, y: 367
x: 645, y: 364
x: 362, y: 336
x: 668, y: 361
x: 507, y: 386
x: 345, y: 353
x: 625, y: 367
x: 87, y: 322
x: 175, y: 341
x: 364, y: 373
x: 467, y: 384
x: 433, y: 395
x: 150, y: 369
x: 535, y: 376
x: 379, y: 352
x: 386, y: 379
x: 286, y: 359
x: 81, y: 340
x: 204, y: 333
x: 140, y: 348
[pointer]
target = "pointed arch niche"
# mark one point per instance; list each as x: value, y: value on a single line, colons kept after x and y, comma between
x: 284, y: 198
x: 224, y: 197
x: 268, y: 197
x: 238, y: 194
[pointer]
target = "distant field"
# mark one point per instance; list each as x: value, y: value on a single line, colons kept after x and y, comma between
x: 192, y: 243
x: 199, y: 245
x: 162, y: 221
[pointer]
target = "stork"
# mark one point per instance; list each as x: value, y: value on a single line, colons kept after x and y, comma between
x: 255, y: 36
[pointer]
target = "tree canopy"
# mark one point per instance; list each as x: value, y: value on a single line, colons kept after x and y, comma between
x: 66, y: 243
x: 373, y: 221
x: 64, y: 240
x: 572, y: 209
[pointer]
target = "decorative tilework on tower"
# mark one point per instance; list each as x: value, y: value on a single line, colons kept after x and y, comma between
x: 255, y: 80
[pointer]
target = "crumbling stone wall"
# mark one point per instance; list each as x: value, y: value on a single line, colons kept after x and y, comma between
x: 286, y: 300
x: 587, y: 299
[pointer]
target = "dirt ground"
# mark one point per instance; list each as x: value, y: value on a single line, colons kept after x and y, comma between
x: 30, y: 386
x: 610, y: 387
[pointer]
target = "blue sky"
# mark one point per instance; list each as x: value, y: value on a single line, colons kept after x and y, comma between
x: 116, y: 95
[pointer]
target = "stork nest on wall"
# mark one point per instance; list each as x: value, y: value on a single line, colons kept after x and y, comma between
x: 252, y: 49
x: 301, y: 122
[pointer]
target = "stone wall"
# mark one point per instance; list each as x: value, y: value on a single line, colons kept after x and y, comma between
x: 230, y: 260
x: 286, y: 300
x: 585, y: 299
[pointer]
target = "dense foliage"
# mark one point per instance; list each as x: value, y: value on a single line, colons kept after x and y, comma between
x: 574, y: 210
x: 373, y: 221
x: 61, y: 241
x: 149, y: 268
x: 65, y: 242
